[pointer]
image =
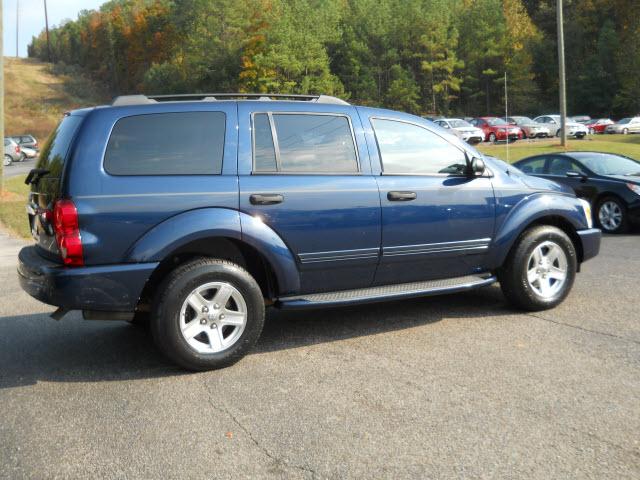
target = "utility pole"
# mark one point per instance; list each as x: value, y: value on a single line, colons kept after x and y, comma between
x: 506, y: 111
x: 46, y: 26
x: 1, y: 101
x: 562, y: 80
x: 17, y: 26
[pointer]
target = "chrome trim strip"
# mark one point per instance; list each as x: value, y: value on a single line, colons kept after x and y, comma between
x: 338, y: 255
x: 464, y: 245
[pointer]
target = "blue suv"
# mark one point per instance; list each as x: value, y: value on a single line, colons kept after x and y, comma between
x: 196, y: 212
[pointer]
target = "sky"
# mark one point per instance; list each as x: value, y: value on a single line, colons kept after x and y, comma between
x: 32, y: 19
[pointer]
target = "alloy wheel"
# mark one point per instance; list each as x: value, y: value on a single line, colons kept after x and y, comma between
x: 547, y: 269
x: 213, y: 317
x: 610, y: 215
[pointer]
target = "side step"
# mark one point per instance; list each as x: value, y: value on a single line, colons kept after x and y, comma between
x: 384, y: 293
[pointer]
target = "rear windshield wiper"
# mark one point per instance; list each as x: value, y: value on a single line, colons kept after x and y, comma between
x: 34, y: 175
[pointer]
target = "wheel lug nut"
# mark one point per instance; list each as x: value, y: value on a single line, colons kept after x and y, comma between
x: 205, y: 309
x: 203, y: 321
x: 216, y: 306
x: 222, y: 316
x: 213, y: 325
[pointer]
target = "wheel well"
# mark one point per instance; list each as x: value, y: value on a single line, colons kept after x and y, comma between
x: 563, y: 225
x: 223, y: 248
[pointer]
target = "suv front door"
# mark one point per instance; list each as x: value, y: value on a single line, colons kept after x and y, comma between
x: 314, y: 176
x: 437, y: 222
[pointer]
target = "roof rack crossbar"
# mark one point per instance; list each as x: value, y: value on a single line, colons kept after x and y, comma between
x: 147, y: 99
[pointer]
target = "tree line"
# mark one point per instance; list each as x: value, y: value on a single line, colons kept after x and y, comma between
x: 424, y: 56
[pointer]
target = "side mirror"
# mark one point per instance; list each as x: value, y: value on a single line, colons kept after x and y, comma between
x: 477, y: 167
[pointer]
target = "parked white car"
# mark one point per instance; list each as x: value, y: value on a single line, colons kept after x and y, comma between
x: 624, y: 126
x: 463, y: 129
x: 574, y: 129
x: 29, y: 152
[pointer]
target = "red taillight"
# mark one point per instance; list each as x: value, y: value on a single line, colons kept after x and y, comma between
x: 65, y: 225
x: 17, y: 148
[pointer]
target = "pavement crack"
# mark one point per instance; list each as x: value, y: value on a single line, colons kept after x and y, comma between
x: 588, y: 330
x: 276, y: 459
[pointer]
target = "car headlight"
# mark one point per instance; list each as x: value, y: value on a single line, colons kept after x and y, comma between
x: 586, y: 207
x: 634, y: 188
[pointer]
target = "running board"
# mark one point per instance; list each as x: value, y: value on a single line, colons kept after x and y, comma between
x: 384, y: 293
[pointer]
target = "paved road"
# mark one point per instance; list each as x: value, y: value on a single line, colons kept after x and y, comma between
x: 451, y: 387
x: 19, y: 168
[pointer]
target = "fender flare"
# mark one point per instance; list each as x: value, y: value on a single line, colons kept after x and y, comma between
x: 175, y: 232
x: 528, y: 211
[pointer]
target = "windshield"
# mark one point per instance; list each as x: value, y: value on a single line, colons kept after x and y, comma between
x: 459, y: 124
x: 496, y: 121
x: 625, y: 120
x: 522, y: 120
x: 607, y: 164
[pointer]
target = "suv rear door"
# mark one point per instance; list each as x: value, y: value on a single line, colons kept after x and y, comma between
x: 437, y: 222
x: 304, y: 170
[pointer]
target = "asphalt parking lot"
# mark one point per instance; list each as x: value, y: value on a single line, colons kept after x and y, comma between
x: 450, y: 387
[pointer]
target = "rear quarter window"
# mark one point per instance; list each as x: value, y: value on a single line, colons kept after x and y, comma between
x: 54, y: 153
x: 184, y: 143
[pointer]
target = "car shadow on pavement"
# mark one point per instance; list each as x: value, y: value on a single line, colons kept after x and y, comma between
x: 35, y: 348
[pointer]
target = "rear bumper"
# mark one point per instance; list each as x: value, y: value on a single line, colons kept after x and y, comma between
x: 114, y: 288
x: 590, y: 242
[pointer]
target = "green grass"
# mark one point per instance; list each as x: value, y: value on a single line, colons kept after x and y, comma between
x: 623, y: 144
x: 12, y: 206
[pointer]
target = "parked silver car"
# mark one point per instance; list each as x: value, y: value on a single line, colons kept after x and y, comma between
x: 27, y: 140
x: 463, y: 129
x: 624, y: 126
x: 529, y: 128
x: 12, y: 152
x: 574, y: 129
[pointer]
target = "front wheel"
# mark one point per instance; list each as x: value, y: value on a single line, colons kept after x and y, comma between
x: 540, y: 269
x: 625, y: 131
x: 207, y: 314
x: 611, y: 215
x: 7, y: 161
x: 492, y: 137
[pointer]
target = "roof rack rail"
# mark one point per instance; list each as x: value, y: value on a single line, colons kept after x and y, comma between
x: 126, y: 100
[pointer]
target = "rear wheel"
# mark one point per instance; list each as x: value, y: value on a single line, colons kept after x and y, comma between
x: 611, y: 215
x: 207, y: 314
x: 7, y: 161
x: 540, y: 269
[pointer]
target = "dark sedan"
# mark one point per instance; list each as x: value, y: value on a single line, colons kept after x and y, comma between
x: 611, y: 183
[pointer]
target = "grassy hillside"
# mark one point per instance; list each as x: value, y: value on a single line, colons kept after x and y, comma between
x: 37, y: 94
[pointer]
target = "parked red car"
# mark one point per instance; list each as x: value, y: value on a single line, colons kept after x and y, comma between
x: 598, y: 125
x: 495, y: 128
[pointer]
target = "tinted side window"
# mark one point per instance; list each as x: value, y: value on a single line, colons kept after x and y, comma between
x: 410, y: 149
x: 533, y: 166
x: 561, y: 165
x: 185, y: 143
x: 315, y: 143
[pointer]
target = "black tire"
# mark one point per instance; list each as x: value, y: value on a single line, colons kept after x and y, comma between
x: 513, y: 274
x: 492, y: 137
x: 624, y: 222
x: 172, y: 293
x: 140, y: 320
